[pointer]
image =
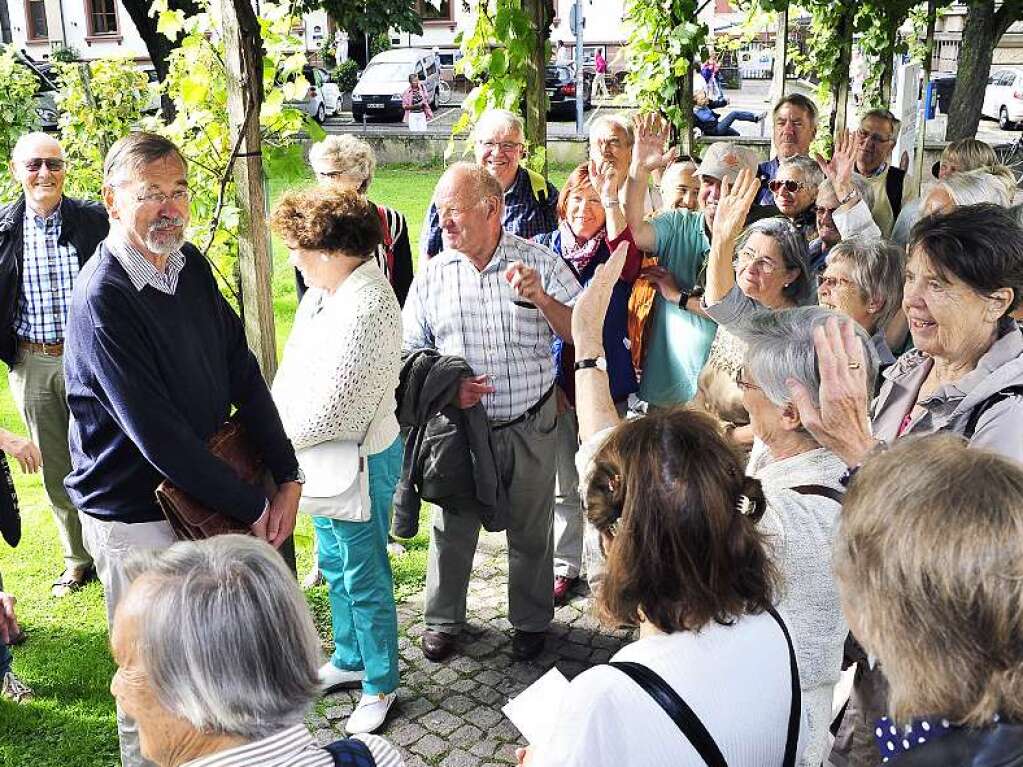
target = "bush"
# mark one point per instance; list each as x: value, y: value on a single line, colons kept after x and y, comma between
x: 17, y: 113
x: 64, y: 54
x: 346, y: 75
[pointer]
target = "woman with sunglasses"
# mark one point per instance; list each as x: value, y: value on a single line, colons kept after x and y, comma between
x: 666, y: 493
x: 795, y: 193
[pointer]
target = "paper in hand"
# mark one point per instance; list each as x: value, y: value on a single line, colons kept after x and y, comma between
x: 534, y: 711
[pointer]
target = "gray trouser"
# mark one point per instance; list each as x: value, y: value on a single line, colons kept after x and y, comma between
x: 37, y: 385
x: 525, y: 461
x: 568, y: 511
x: 110, y: 543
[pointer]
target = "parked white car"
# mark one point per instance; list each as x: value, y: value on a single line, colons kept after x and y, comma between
x: 323, y: 96
x: 379, y: 90
x: 1003, y: 97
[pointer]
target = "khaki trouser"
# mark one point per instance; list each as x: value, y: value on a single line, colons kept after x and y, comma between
x: 110, y: 544
x: 525, y: 462
x: 37, y: 385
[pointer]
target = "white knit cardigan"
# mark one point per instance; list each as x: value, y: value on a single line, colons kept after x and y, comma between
x: 340, y: 367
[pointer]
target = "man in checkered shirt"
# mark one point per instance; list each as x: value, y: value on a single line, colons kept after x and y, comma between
x: 45, y: 239
x: 495, y: 300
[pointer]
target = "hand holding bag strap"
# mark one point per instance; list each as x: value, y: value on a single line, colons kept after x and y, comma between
x: 797, y: 697
x: 681, y: 714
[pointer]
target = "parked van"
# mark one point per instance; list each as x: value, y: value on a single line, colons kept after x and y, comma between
x: 378, y: 92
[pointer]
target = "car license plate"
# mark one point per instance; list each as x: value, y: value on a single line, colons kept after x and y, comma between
x: 375, y: 106
x: 550, y: 91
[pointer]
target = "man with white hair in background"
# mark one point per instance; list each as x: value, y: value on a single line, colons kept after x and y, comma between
x: 530, y: 201
x: 45, y: 240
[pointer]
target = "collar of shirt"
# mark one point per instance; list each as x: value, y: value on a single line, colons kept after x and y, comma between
x: 496, y: 260
x: 280, y: 749
x: 141, y: 271
x: 41, y: 223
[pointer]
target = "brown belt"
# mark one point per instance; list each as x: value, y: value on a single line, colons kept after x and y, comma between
x: 49, y: 350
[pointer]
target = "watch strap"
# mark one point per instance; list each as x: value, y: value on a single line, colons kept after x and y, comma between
x: 591, y: 362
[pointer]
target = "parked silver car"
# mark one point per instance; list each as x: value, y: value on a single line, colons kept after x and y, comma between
x: 323, y: 96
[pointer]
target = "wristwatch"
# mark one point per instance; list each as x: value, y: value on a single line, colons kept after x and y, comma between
x: 610, y: 202
x: 852, y: 195
x: 685, y: 295
x: 294, y: 476
x: 592, y: 362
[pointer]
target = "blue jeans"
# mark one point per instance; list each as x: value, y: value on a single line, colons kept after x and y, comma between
x: 353, y: 560
x: 724, y: 127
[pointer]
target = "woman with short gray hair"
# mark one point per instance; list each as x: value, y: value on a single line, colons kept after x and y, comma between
x: 801, y: 480
x: 863, y: 278
x: 795, y: 192
x: 217, y: 656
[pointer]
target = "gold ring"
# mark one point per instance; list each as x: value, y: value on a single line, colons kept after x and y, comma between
x: 854, y: 366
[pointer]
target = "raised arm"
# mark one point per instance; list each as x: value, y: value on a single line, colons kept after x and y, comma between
x: 648, y: 153
x: 853, y: 217
x: 733, y: 209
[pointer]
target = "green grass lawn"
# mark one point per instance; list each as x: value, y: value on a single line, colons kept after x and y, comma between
x: 66, y: 660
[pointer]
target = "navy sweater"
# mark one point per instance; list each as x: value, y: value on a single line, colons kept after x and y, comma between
x: 150, y: 377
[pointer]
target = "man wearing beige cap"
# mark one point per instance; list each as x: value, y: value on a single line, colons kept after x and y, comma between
x: 679, y: 333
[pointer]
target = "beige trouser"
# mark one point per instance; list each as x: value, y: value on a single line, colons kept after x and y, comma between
x: 110, y: 544
x: 37, y: 385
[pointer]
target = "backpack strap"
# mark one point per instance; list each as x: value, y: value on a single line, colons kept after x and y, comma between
x: 349, y: 752
x: 538, y: 184
x: 796, y: 705
x: 981, y: 408
x: 827, y: 492
x: 681, y: 714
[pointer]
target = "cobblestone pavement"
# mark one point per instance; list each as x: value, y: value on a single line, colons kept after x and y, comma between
x: 449, y: 714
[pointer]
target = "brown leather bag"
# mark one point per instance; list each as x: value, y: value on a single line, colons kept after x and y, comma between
x: 191, y: 519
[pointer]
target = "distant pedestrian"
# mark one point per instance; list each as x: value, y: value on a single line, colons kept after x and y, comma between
x: 416, y: 103
x: 600, y: 76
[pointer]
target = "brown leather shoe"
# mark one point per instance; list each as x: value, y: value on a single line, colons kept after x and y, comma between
x: 437, y: 645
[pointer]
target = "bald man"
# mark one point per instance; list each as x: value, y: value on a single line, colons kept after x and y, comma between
x: 45, y: 239
x: 497, y: 301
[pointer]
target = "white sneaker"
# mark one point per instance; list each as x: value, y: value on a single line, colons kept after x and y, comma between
x: 370, y: 714
x: 332, y: 677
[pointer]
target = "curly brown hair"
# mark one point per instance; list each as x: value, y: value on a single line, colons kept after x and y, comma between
x: 326, y: 219
x: 668, y: 488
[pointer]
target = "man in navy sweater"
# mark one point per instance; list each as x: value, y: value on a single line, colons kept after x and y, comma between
x: 155, y: 359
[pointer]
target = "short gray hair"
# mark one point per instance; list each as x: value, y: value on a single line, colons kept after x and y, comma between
x: 877, y: 268
x: 131, y: 153
x: 227, y: 639
x: 780, y: 348
x: 808, y: 169
x: 994, y: 184
x: 794, y: 253
x: 346, y: 153
x: 862, y: 187
x: 615, y: 121
x: 500, y: 118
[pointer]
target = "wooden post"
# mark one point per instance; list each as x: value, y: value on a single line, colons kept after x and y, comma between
x: 781, y: 55
x: 244, y: 60
x: 921, y: 136
x: 687, y: 140
x: 536, y: 111
x: 840, y: 94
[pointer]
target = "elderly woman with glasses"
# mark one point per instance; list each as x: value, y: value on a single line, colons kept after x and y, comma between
x: 799, y: 479
x: 929, y: 561
x: 795, y: 193
x: 216, y: 654
x: 347, y: 163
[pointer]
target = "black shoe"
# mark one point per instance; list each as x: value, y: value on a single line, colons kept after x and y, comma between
x: 526, y: 645
x: 437, y: 645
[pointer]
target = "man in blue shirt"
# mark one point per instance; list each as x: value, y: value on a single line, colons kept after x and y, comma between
x: 795, y: 125
x: 45, y: 239
x: 156, y: 360
x: 530, y: 202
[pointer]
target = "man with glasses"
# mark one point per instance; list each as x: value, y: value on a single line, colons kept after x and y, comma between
x: 45, y: 240
x: 156, y: 360
x: 530, y: 201
x: 875, y: 139
x: 795, y: 125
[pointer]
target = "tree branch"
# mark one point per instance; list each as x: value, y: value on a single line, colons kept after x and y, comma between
x: 1005, y: 16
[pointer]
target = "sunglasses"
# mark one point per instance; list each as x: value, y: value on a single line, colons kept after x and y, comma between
x: 788, y: 185
x: 53, y: 164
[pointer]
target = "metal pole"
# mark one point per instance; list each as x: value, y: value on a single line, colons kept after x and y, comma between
x: 580, y: 80
x: 921, y: 137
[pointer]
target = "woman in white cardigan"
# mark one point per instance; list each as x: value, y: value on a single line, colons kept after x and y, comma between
x: 801, y: 485
x: 335, y: 393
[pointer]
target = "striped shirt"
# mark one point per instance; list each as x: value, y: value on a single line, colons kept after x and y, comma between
x: 49, y: 269
x: 461, y: 311
x: 141, y: 271
x: 294, y: 747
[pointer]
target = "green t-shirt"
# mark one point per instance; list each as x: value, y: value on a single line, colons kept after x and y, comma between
x: 679, y: 342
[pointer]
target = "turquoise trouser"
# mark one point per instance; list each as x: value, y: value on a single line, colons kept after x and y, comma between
x: 353, y: 559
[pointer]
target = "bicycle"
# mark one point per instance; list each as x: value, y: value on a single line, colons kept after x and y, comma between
x: 1011, y: 156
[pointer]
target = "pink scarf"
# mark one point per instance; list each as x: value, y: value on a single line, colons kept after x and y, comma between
x: 579, y: 254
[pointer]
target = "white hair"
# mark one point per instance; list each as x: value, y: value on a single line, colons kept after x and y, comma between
x: 877, y: 268
x: 808, y: 169
x: 346, y: 153
x: 227, y: 639
x: 495, y: 119
x: 28, y: 138
x: 614, y: 121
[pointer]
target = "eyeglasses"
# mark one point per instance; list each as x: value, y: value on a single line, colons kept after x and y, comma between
x: 747, y: 259
x: 502, y: 146
x: 743, y: 384
x: 53, y: 164
x: 824, y: 280
x: 829, y: 211
x: 334, y: 174
x: 159, y: 198
x: 788, y: 185
x: 877, y: 138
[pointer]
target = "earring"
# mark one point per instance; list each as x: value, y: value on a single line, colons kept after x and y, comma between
x: 787, y: 284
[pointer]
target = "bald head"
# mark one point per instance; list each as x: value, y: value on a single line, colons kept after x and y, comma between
x: 470, y: 205
x: 37, y: 162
